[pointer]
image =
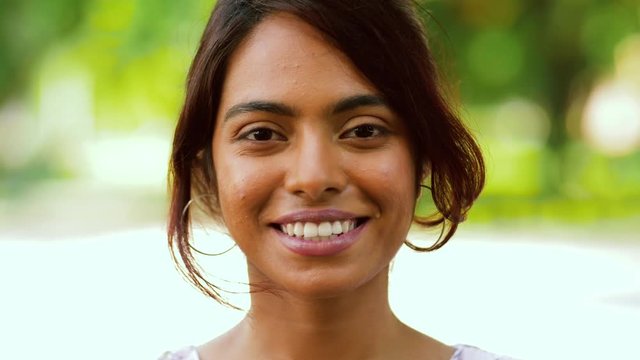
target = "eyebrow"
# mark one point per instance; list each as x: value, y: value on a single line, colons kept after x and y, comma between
x: 356, y: 101
x: 277, y: 108
x: 259, y: 105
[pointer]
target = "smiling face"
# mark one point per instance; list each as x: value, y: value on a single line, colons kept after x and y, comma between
x: 315, y: 177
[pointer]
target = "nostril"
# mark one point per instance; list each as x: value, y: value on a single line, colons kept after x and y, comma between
x: 316, y: 192
x: 315, y: 178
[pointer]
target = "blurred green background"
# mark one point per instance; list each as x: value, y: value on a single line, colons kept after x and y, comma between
x: 91, y: 89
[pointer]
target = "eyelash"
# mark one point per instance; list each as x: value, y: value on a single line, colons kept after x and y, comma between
x: 247, y: 134
x: 377, y: 131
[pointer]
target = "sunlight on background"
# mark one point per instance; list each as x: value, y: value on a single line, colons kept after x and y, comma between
x: 612, y: 119
x: 548, y: 266
x: 612, y: 113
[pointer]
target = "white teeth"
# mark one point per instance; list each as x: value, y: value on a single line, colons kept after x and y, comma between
x: 324, y: 229
x: 336, y: 227
x: 318, y: 231
x: 310, y: 230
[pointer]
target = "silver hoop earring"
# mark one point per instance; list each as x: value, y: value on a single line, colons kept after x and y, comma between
x: 184, y: 213
x: 440, y: 221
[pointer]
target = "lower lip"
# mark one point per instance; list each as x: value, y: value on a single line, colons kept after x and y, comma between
x: 323, y: 247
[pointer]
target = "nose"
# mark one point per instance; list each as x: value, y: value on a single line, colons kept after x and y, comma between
x: 315, y: 171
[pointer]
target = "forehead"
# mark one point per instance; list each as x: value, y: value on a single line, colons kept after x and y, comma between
x: 286, y: 58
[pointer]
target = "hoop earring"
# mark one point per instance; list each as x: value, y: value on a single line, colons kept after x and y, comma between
x: 426, y: 187
x: 442, y: 221
x: 185, y: 209
x: 423, y: 186
x: 437, y: 245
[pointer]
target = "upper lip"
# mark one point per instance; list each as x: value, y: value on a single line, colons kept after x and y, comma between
x: 315, y: 216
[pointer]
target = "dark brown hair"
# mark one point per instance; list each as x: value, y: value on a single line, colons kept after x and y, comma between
x: 385, y: 40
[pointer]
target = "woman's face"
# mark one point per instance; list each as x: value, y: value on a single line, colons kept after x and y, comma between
x: 315, y: 177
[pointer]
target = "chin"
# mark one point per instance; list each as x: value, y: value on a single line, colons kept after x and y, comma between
x: 327, y: 285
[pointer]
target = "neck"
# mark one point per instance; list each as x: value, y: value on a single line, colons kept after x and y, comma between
x: 355, y: 325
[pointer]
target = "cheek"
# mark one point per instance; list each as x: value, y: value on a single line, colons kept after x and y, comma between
x: 397, y: 173
x: 243, y: 188
x: 389, y: 179
x: 402, y: 198
x: 232, y: 187
x: 399, y: 179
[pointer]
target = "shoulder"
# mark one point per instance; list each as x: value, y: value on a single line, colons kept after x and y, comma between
x: 467, y: 352
x: 187, y: 353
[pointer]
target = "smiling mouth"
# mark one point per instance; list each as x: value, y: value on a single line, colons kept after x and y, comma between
x: 318, y: 231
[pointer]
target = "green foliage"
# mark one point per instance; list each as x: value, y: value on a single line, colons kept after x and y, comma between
x: 524, y: 69
x: 28, y: 29
x: 549, y: 54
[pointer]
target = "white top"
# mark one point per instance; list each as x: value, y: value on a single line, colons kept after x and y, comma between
x: 463, y: 352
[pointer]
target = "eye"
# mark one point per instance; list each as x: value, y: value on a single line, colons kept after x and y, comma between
x: 262, y: 134
x: 364, y: 131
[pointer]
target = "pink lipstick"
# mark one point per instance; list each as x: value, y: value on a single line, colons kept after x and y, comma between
x: 319, y: 232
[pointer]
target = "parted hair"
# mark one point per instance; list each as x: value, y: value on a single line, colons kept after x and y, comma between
x: 387, y: 43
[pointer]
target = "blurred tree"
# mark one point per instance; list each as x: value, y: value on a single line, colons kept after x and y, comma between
x: 547, y: 51
x: 523, y: 69
x: 27, y: 30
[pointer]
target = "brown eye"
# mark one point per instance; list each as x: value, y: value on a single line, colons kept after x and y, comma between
x: 365, y: 131
x: 262, y: 134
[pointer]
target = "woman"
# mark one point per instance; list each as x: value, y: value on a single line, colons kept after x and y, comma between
x: 311, y: 126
